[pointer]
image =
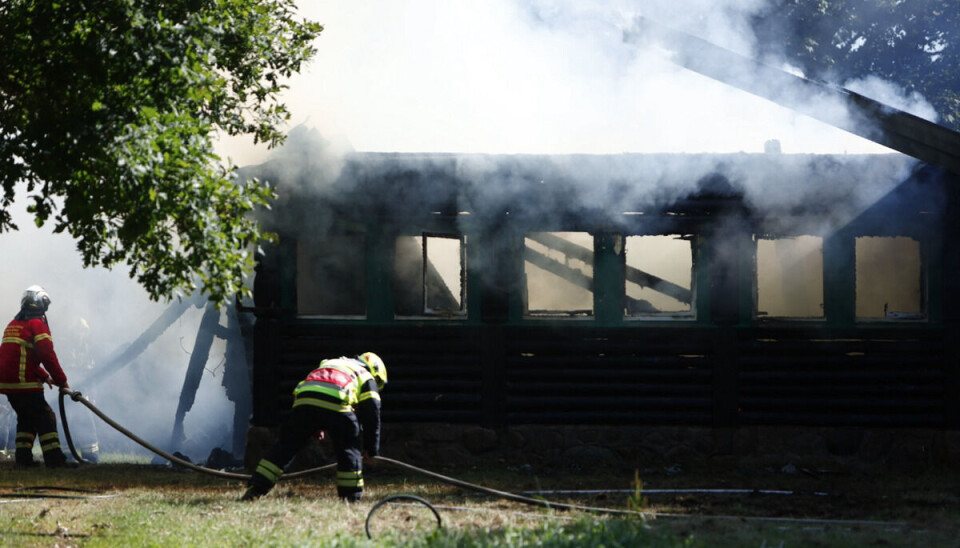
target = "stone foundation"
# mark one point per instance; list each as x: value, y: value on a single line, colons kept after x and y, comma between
x: 865, y: 450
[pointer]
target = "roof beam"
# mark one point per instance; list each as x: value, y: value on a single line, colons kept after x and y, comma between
x: 862, y: 116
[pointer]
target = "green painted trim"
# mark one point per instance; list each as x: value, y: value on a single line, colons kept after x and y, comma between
x: 379, y: 274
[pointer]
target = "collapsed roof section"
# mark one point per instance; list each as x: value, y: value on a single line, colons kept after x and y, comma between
x: 862, y: 116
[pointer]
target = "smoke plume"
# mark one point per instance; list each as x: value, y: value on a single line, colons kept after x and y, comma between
x: 94, y: 318
x: 532, y: 77
x: 568, y: 80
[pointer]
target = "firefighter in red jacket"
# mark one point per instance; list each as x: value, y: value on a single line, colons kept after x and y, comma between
x: 27, y: 360
x: 341, y: 397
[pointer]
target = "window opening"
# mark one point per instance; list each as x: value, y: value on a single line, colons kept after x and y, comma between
x: 330, y: 276
x: 430, y: 275
x: 658, y: 276
x: 890, y: 279
x: 558, y: 271
x: 790, y: 277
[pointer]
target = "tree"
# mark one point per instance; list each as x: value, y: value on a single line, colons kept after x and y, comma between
x: 914, y: 44
x: 109, y: 110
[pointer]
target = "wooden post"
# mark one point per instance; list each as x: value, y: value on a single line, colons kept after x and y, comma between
x: 608, y: 278
x: 840, y: 279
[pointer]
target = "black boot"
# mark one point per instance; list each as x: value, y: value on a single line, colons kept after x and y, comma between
x: 254, y: 492
x: 24, y: 458
x: 350, y: 494
x: 56, y: 459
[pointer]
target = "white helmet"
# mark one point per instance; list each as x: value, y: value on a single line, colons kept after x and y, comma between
x: 35, y: 301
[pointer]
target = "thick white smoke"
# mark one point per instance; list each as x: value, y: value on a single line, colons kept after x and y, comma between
x: 536, y: 76
x: 96, y: 313
x: 562, y: 77
x: 495, y: 82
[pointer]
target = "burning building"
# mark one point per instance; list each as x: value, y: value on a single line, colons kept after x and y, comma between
x: 719, y: 292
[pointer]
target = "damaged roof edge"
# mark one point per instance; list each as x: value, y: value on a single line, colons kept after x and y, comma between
x: 868, y: 118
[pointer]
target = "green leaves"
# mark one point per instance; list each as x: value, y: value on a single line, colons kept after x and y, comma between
x: 109, y: 107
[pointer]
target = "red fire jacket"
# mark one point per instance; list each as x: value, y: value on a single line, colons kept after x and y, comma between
x: 26, y: 349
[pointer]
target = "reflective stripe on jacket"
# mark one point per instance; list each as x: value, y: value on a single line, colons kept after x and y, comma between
x: 344, y: 385
x: 26, y: 348
x: 338, y: 385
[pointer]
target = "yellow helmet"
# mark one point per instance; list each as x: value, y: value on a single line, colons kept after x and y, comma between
x: 376, y: 367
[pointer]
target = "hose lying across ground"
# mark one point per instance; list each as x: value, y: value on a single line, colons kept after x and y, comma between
x: 506, y: 495
x: 78, y: 397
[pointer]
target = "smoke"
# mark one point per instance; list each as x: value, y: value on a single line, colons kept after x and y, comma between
x: 893, y: 95
x: 562, y: 78
x: 534, y: 77
x: 94, y: 315
x: 499, y: 98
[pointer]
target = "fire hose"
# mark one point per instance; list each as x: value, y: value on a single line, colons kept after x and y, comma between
x: 506, y: 495
x: 78, y: 397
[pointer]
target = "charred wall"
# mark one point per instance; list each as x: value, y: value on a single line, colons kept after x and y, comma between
x: 721, y: 366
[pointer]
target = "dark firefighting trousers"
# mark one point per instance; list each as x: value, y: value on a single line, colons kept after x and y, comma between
x: 303, y: 424
x: 36, y: 420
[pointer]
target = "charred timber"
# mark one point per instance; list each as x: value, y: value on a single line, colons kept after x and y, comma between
x: 570, y: 249
x: 870, y: 119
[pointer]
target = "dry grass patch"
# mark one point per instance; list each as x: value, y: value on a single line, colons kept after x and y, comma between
x: 136, y: 505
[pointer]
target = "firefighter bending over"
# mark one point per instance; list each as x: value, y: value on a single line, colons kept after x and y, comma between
x: 26, y: 349
x: 341, y: 397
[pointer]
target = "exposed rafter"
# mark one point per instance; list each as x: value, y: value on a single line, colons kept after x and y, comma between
x: 863, y: 116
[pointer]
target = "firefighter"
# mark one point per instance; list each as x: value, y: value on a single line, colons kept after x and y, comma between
x: 340, y: 398
x: 27, y: 360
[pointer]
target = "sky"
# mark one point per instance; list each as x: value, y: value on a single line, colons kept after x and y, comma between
x: 537, y: 76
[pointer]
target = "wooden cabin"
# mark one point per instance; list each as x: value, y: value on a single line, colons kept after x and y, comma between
x: 565, y: 299
x: 713, y: 291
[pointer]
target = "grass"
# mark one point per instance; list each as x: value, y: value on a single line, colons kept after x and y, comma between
x: 141, y: 505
